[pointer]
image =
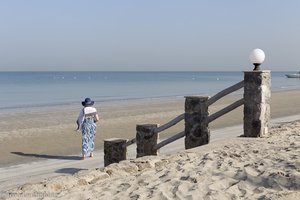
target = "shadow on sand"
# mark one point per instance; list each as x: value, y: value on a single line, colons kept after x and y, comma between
x: 47, y: 156
x: 69, y: 170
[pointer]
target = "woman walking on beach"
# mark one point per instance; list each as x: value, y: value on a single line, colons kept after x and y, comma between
x: 86, y: 121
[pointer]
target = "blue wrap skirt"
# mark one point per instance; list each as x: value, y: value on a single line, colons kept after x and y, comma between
x: 88, y: 135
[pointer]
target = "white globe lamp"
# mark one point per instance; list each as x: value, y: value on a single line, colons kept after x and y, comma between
x: 257, y: 56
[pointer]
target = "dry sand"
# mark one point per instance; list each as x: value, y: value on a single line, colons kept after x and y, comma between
x: 240, y: 168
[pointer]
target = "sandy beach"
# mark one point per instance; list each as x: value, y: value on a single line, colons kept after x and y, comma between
x: 239, y: 168
x: 32, y: 135
x: 47, y: 135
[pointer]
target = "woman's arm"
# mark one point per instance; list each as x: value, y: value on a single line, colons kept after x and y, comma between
x: 78, y: 125
x: 80, y: 119
x: 97, y: 117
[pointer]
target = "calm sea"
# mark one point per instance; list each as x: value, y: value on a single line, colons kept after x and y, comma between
x: 33, y: 89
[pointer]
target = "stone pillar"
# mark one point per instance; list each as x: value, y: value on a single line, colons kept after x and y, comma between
x: 257, y: 96
x: 197, y: 132
x: 146, y: 139
x: 114, y: 151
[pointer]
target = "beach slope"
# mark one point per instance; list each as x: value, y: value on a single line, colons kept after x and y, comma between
x: 240, y: 168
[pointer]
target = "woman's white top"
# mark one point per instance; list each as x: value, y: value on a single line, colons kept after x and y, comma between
x: 86, y: 111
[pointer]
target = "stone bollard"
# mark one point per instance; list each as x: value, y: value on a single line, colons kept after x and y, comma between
x: 146, y: 139
x: 197, y: 132
x: 257, y: 96
x: 114, y: 151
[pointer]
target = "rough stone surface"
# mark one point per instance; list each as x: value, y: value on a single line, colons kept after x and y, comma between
x: 146, y: 139
x: 197, y: 132
x: 257, y: 97
x: 114, y: 151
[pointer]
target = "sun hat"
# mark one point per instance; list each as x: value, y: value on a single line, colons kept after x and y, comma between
x: 87, y: 102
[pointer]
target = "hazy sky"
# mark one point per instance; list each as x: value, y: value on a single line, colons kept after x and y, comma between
x: 148, y: 35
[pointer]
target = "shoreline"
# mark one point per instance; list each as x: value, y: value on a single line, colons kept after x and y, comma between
x: 119, y: 102
x: 44, y: 133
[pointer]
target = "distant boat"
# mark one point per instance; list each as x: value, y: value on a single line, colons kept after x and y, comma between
x: 297, y: 75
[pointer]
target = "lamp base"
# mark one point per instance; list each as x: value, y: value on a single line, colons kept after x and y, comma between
x: 256, y: 66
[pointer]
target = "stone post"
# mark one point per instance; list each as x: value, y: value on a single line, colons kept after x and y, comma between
x: 114, y: 151
x: 197, y: 132
x: 146, y: 139
x: 257, y: 96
